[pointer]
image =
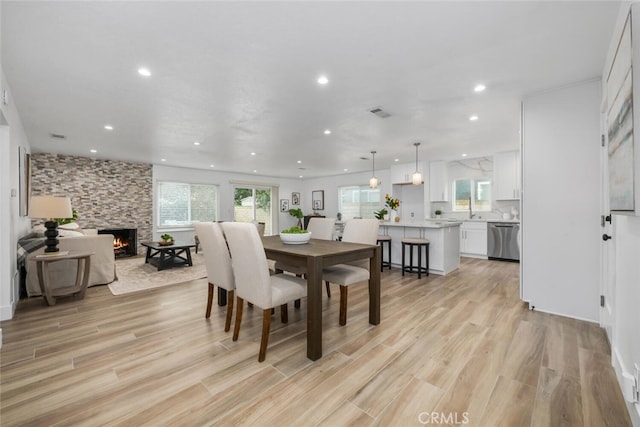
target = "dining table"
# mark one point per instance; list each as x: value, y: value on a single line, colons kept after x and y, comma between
x: 314, y: 256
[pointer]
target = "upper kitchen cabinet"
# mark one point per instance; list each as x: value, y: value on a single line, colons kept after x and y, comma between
x: 506, y: 175
x: 403, y: 173
x: 438, y: 182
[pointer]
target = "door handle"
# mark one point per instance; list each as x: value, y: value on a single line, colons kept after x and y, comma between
x: 606, y: 237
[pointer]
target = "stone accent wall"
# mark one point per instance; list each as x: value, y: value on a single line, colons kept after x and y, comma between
x: 105, y: 193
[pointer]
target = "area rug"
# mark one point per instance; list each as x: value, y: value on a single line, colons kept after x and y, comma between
x: 134, y: 275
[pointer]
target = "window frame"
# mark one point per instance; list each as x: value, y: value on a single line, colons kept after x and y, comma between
x: 189, y: 225
x: 361, y: 188
x: 473, y: 185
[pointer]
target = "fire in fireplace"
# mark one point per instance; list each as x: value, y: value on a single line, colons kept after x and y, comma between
x: 124, y: 241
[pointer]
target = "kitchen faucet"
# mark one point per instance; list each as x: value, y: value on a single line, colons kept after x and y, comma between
x: 471, y: 214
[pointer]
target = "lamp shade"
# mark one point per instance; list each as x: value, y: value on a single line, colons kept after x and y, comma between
x: 416, y: 178
x: 50, y: 207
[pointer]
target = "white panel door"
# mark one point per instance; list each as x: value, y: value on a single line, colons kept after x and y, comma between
x: 560, y: 221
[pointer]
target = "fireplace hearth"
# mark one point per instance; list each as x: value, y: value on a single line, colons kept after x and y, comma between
x: 124, y: 241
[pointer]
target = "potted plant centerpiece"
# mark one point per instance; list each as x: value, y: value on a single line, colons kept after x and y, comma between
x: 438, y: 212
x: 295, y: 235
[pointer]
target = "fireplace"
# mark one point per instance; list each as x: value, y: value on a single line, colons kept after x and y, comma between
x: 124, y: 241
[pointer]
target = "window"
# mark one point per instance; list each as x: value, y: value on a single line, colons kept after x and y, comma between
x: 478, y: 191
x: 253, y: 204
x: 179, y: 204
x: 359, y: 201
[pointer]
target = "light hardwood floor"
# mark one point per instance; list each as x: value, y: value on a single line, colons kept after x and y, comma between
x: 449, y: 350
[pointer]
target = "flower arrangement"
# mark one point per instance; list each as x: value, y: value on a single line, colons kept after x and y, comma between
x: 393, y: 204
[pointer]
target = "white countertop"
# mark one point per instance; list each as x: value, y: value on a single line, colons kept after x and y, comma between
x: 441, y: 223
x: 513, y: 221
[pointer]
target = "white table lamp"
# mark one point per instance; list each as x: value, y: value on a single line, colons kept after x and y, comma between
x: 50, y: 207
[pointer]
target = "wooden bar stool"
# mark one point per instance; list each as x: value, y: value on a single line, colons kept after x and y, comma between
x: 382, y: 239
x: 411, y: 268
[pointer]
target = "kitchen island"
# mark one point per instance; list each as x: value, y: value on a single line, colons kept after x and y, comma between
x: 444, y: 242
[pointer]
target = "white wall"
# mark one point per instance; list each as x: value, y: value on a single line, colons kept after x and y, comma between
x: 625, y: 338
x: 225, y: 197
x: 331, y: 184
x: 561, y: 245
x: 12, y: 224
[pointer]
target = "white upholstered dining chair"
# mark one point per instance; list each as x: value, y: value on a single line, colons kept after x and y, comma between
x: 218, y: 263
x: 253, y: 281
x: 355, y: 231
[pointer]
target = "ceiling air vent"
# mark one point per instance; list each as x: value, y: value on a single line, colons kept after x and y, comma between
x: 57, y: 136
x: 378, y: 111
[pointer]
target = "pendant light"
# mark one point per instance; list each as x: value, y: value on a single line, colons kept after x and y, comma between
x: 373, y: 182
x: 417, y: 176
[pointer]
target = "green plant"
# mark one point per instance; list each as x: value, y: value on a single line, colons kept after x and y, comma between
x: 63, y: 221
x: 380, y: 214
x: 166, y: 237
x: 296, y: 212
x: 294, y: 230
x: 438, y: 212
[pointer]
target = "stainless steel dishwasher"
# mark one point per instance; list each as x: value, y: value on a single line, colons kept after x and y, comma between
x: 502, y: 241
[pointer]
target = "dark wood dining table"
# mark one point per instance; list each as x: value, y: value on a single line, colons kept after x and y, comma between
x: 316, y: 255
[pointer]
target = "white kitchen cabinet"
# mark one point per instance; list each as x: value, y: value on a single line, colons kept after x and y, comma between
x: 473, y: 239
x: 403, y: 173
x: 506, y: 175
x: 438, y: 182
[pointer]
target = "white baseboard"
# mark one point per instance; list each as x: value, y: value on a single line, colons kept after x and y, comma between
x: 618, y: 367
x: 561, y: 314
x: 7, y: 311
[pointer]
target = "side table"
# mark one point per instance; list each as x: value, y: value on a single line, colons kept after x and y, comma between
x: 82, y: 275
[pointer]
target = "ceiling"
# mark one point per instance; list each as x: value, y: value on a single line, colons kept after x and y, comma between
x: 240, y: 77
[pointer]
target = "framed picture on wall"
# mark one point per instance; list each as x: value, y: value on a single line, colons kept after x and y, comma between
x: 284, y: 205
x: 295, y: 199
x: 24, y: 162
x: 317, y: 200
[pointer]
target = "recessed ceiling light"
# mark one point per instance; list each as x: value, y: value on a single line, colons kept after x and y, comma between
x: 255, y: 171
x: 464, y: 154
x: 299, y: 161
x: 345, y: 169
x: 144, y: 72
x: 163, y: 160
x: 196, y: 143
x: 323, y: 80
x: 479, y: 88
x: 253, y: 153
x: 299, y: 176
x: 327, y: 132
x: 396, y: 160
x: 108, y: 127
x: 211, y: 166
x: 93, y: 151
x: 473, y: 118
